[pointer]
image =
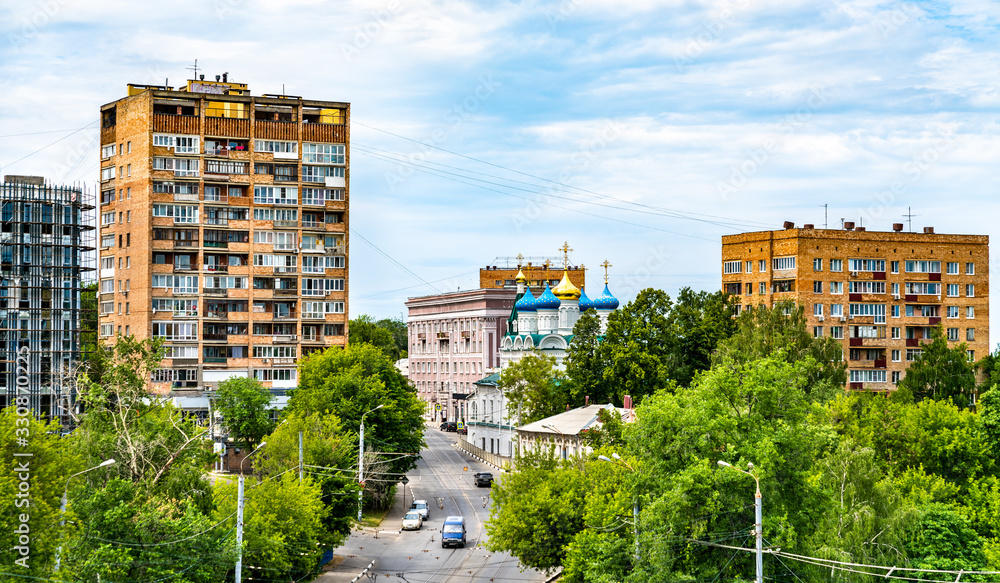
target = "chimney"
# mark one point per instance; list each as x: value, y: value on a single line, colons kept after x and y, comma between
x: 217, y: 78
x: 586, y: 400
x: 225, y: 77
x: 897, y: 227
x: 928, y: 230
x: 627, y: 401
x: 859, y: 229
x: 789, y: 225
x: 202, y: 77
x: 848, y: 225
x: 808, y: 226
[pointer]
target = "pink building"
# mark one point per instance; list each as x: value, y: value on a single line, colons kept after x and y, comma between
x: 455, y: 341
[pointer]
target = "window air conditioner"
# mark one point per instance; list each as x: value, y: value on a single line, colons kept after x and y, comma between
x: 820, y: 318
x: 843, y: 318
x: 895, y: 296
x: 854, y: 274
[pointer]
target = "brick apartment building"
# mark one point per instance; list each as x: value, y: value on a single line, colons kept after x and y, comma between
x: 224, y: 229
x: 879, y: 293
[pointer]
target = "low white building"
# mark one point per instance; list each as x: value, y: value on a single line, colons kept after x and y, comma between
x: 490, y: 427
x: 565, y: 431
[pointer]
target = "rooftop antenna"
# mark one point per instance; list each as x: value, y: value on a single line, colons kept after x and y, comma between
x: 909, y: 218
x: 826, y: 215
x: 195, y: 69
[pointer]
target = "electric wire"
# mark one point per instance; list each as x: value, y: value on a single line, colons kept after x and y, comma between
x: 398, y: 264
x: 6, y: 166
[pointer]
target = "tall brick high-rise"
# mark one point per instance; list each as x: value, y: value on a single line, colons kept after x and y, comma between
x: 224, y: 229
x: 880, y: 294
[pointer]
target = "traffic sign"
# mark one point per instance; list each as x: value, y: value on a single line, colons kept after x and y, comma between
x: 405, y: 480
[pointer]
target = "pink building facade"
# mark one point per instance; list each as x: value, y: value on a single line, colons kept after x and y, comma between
x: 455, y: 341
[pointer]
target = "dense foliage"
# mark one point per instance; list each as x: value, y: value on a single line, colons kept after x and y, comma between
x: 388, y: 334
x: 907, y: 480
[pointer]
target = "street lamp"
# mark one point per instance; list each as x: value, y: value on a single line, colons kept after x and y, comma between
x: 635, y: 500
x: 239, y: 515
x: 62, y: 506
x: 361, y: 460
x: 758, y: 503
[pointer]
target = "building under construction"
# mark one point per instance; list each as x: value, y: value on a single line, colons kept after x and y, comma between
x: 46, y: 245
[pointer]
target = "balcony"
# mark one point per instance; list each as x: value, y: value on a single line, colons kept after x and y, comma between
x: 285, y: 316
x: 286, y: 292
x: 283, y: 361
x: 322, y: 132
x: 217, y: 315
x: 215, y: 359
x: 226, y: 127
x: 286, y: 178
x: 215, y: 337
x: 281, y: 338
x: 217, y: 244
x: 215, y: 268
x: 277, y: 130
x: 185, y: 197
x: 185, y: 267
x: 216, y: 221
x: 175, y: 124
x: 185, y: 243
x: 313, y: 316
x: 335, y: 250
x: 314, y: 225
x: 215, y: 291
x: 286, y: 224
x: 216, y: 197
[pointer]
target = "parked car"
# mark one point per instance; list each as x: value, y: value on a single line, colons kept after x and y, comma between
x: 412, y: 520
x: 483, y: 479
x: 464, y: 430
x: 449, y: 426
x: 444, y: 425
x: 422, y: 508
x: 453, y: 532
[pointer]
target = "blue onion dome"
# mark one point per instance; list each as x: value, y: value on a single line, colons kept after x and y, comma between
x: 606, y: 301
x: 526, y: 303
x: 585, y: 302
x: 547, y: 301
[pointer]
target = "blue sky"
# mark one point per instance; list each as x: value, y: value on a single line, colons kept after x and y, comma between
x: 640, y: 132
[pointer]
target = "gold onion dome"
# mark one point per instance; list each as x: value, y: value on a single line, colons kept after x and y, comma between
x: 566, y: 290
x: 520, y: 278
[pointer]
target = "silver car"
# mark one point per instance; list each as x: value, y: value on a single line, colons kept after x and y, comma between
x: 412, y: 521
x: 421, y: 507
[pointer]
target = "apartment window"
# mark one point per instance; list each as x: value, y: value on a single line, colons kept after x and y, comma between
x: 917, y: 266
x: 176, y: 330
x: 120, y: 215
x: 274, y: 374
x: 895, y: 311
x: 970, y: 334
x: 867, y: 376
x: 836, y: 310
x: 335, y: 307
x: 749, y: 288
x: 875, y: 310
x: 108, y: 173
x: 783, y: 263
x: 107, y: 152
x: 749, y: 267
x: 275, y: 195
x: 817, y: 331
x: 181, y: 213
x: 128, y: 192
x: 761, y: 266
x: 107, y: 286
x: 818, y: 264
x: 867, y: 264
x: 836, y: 287
x: 107, y: 240
x: 107, y: 307
x: 953, y: 334
x: 971, y: 355
x: 127, y: 311
x: 128, y: 216
x: 179, y: 166
x: 321, y: 173
x: 817, y: 309
x: 922, y: 288
x: 952, y: 311
x: 894, y: 266
x: 130, y: 147
x: 970, y: 312
x: 225, y: 167
x: 895, y: 377
x: 763, y: 288
x: 120, y: 259
x: 119, y: 308
x: 970, y: 269
x: 107, y: 329
x: 837, y: 265
x: 129, y: 170
x: 837, y: 332
x: 817, y: 287
x: 273, y: 146
x: 897, y: 356
x: 895, y: 290
x: 970, y: 290
x: 953, y: 290
x: 322, y: 154
x: 107, y: 263
x: 128, y: 239
x: 181, y: 144
x: 895, y: 333
x: 732, y: 267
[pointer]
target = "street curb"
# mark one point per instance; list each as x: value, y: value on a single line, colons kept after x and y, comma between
x: 363, y: 573
x: 554, y: 577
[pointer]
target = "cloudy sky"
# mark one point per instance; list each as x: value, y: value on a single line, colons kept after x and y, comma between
x: 639, y: 131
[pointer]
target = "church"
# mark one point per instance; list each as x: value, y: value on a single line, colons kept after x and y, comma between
x: 545, y: 323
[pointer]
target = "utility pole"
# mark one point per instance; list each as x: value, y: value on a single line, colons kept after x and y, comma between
x: 239, y: 516
x: 361, y: 463
x: 300, y: 457
x: 758, y: 507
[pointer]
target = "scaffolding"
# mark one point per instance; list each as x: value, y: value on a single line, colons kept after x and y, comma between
x: 47, y: 243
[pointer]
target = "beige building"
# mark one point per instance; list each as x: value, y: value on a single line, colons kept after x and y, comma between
x: 879, y: 293
x: 224, y: 229
x: 539, y: 271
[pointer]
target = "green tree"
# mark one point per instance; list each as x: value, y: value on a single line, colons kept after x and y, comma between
x: 284, y: 524
x: 33, y: 471
x: 387, y: 334
x: 326, y: 445
x: 989, y: 416
x: 533, y: 388
x: 637, y: 345
x: 243, y: 403
x: 943, y: 539
x: 537, y: 510
x: 700, y: 321
x: 940, y: 373
x: 584, y: 362
x: 349, y: 382
x: 763, y: 332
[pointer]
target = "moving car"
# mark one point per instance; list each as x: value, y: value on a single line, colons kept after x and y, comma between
x: 449, y: 426
x: 412, y: 520
x: 453, y: 532
x: 421, y: 508
x: 483, y: 479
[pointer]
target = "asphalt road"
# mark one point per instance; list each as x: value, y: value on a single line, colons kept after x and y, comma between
x: 443, y: 477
